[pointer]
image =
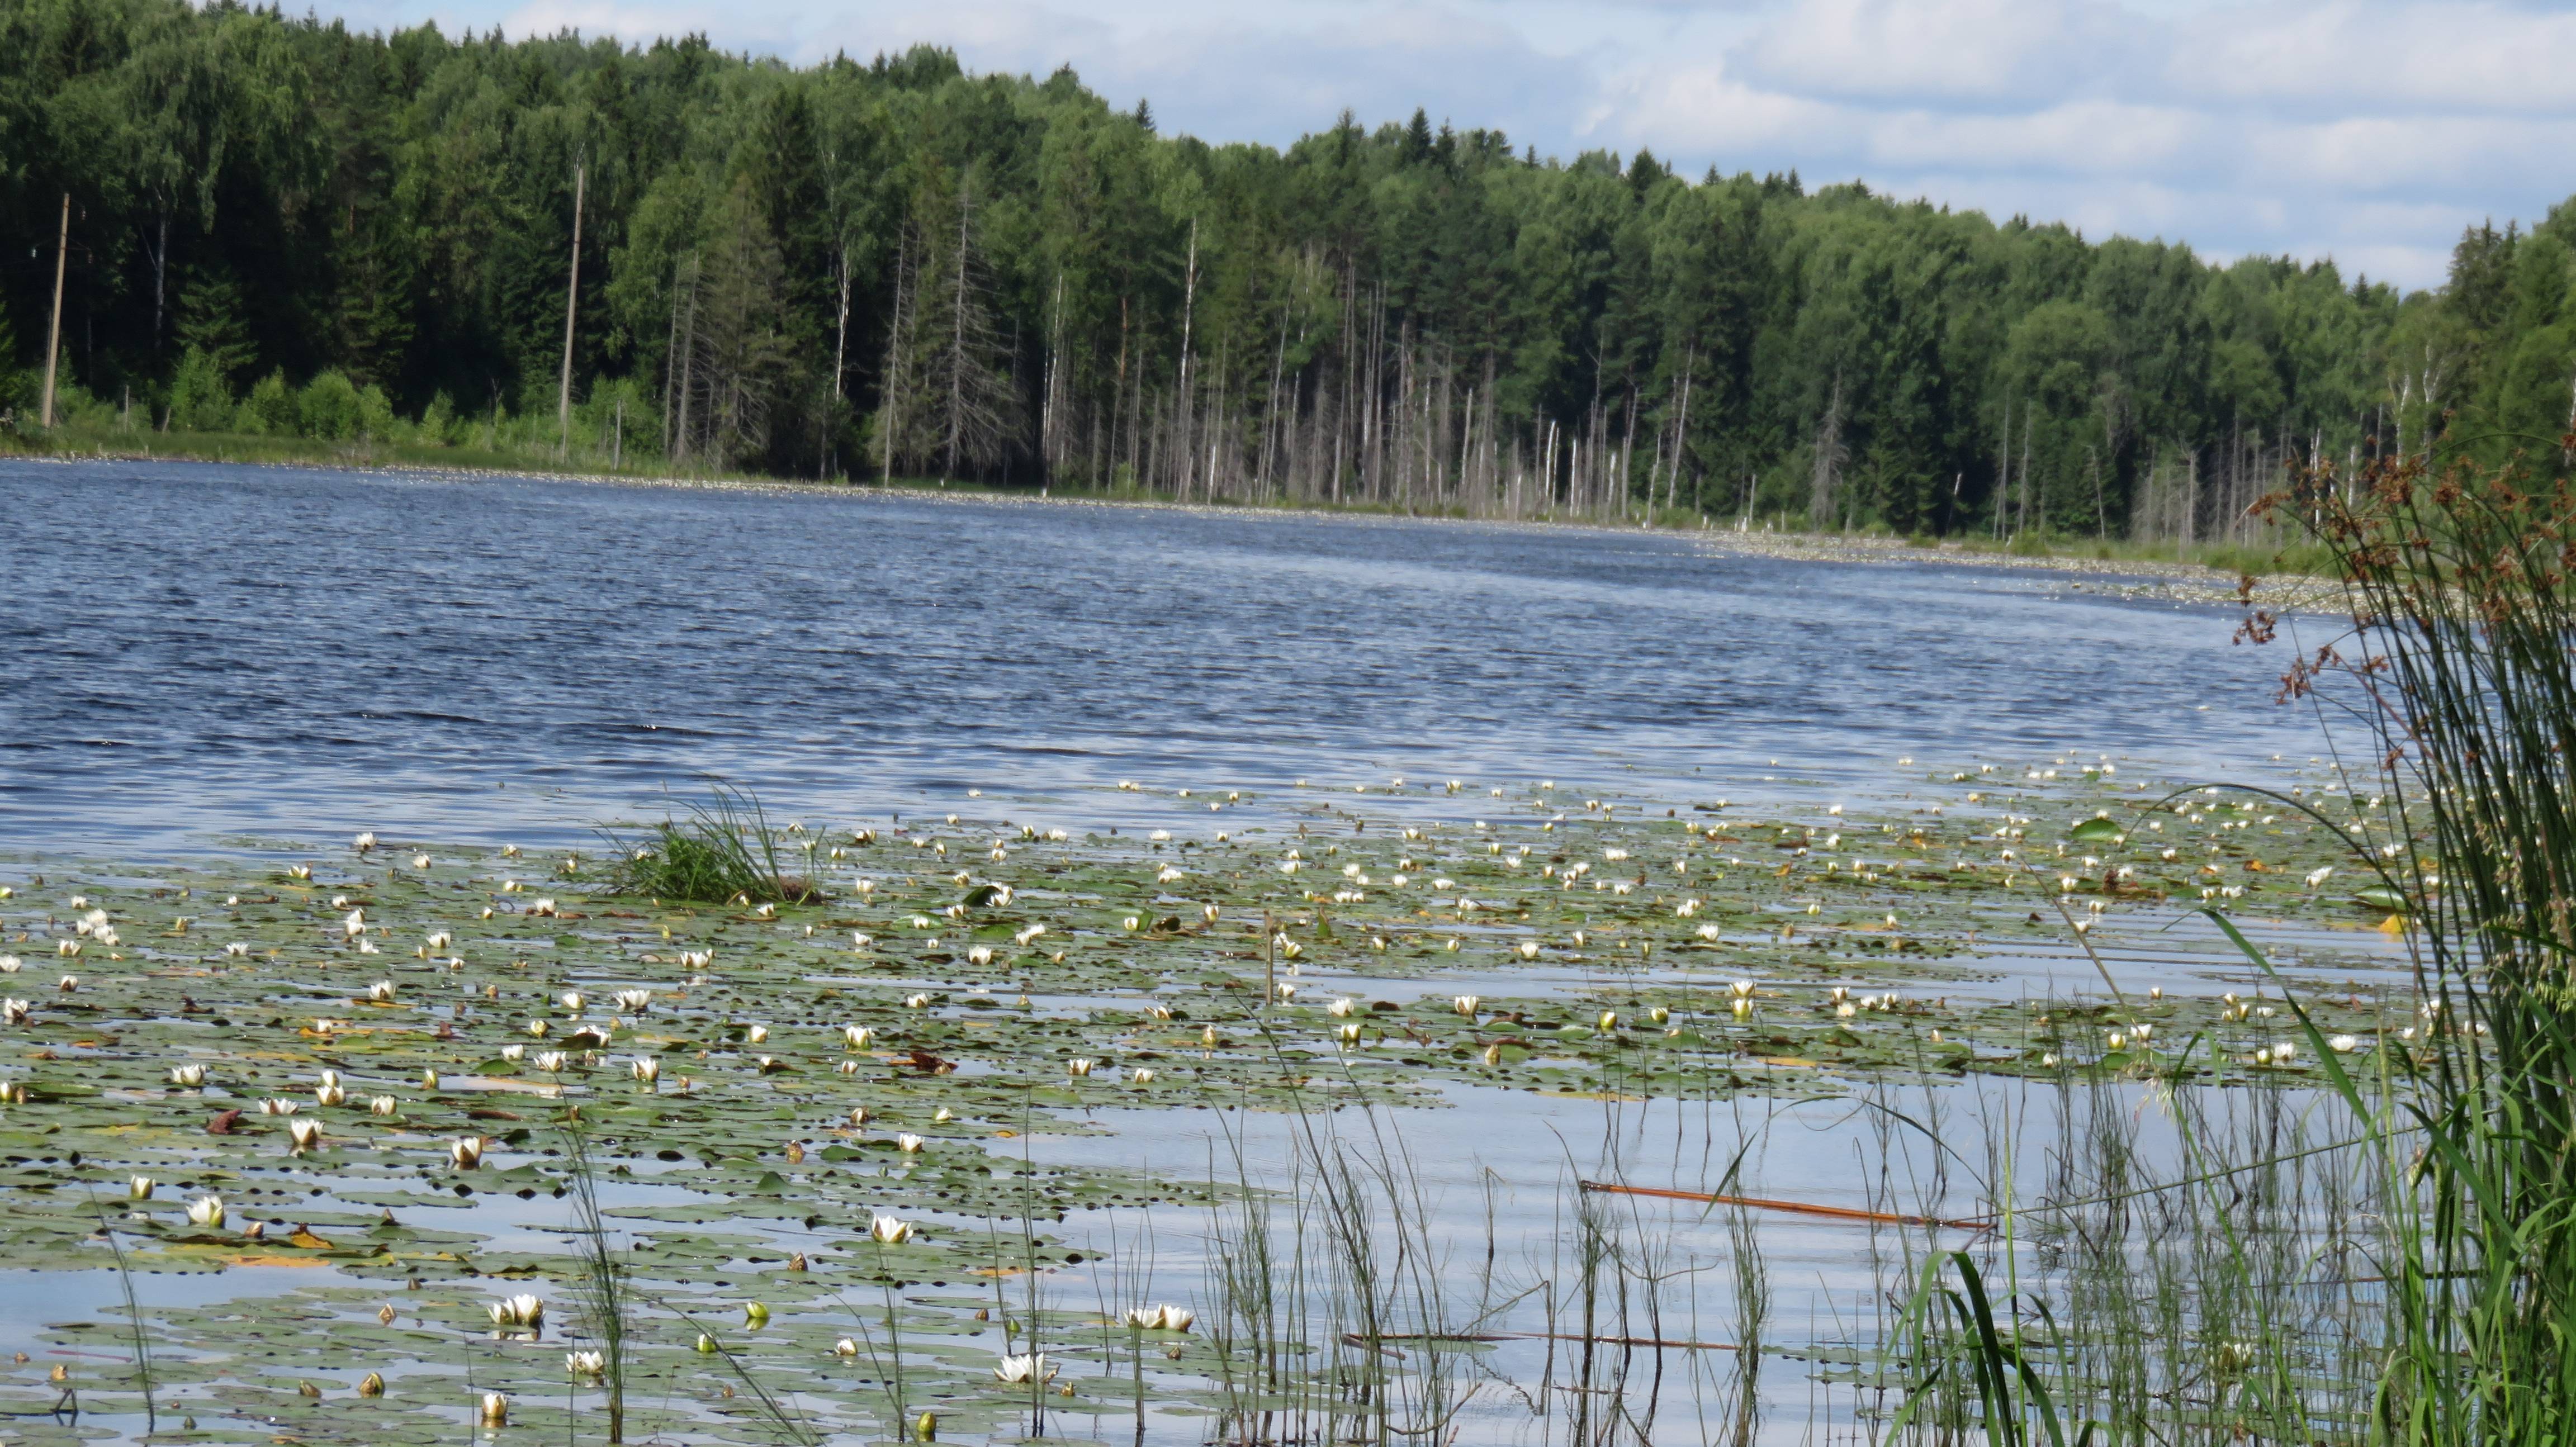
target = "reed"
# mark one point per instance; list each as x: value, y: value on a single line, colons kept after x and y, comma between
x: 722, y: 852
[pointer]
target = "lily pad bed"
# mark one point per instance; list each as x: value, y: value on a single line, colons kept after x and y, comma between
x: 382, y: 1061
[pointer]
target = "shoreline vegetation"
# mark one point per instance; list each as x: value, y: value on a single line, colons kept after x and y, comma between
x: 236, y: 220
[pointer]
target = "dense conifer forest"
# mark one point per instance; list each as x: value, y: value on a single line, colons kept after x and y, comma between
x: 895, y: 269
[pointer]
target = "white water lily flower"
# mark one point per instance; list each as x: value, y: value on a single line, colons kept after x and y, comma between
x: 465, y: 1152
x: 2344, y: 1044
x: 306, y: 1134
x: 207, y: 1211
x: 860, y: 1037
x: 1022, y: 1369
x: 538, y: 1029
x: 1342, y: 1007
x: 384, y: 1105
x: 942, y: 1116
x: 1350, y: 1033
x: 11, y: 964
x: 917, y: 1002
x: 889, y: 1230
x: 1466, y: 1005
x: 634, y: 1002
x: 277, y: 1106
x: 757, y: 1035
x: 585, y: 1364
x: 139, y: 1189
x: 550, y: 1061
x: 979, y: 955
x: 1080, y: 1066
x: 645, y: 1068
x: 1144, y: 1074
x: 1529, y: 949
x: 1028, y: 936
x: 522, y: 1311
x: 191, y: 1076
x: 2320, y: 876
x: 14, y: 1012
x: 908, y: 1143
x: 514, y: 1052
x: 420, y: 861
x: 329, y: 1091
x: 381, y: 992
x: 571, y: 1000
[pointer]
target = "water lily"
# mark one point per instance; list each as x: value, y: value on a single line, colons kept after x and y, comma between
x: 917, y: 1002
x: 522, y: 1312
x: 1466, y: 1005
x: 465, y: 1152
x: 634, y: 1002
x: 277, y: 1106
x: 1529, y: 949
x: 645, y: 1068
x: 14, y: 1012
x: 329, y: 1090
x: 2344, y: 1044
x: 1350, y: 1032
x: 979, y: 955
x: 1609, y: 1020
x: 206, y: 1211
x: 585, y: 1364
x: 190, y: 1076
x: 139, y: 1189
x: 1144, y: 1074
x: 514, y: 1052
x: 365, y: 841
x: 889, y: 1231
x: 494, y: 1410
x: 550, y: 1061
x: 1018, y: 1370
x: 860, y: 1037
x: 942, y: 1116
x: 384, y: 1105
x: 381, y: 992
x: 845, y: 1348
x: 372, y: 1385
x: 538, y: 1029
x: 306, y: 1134
x: 755, y: 1315
x: 908, y: 1143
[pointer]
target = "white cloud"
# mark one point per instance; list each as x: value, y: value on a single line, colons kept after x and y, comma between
x: 2369, y: 130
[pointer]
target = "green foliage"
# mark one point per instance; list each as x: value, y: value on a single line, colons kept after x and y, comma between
x: 724, y: 852
x: 200, y: 398
x: 270, y: 408
x: 899, y: 266
x: 328, y: 408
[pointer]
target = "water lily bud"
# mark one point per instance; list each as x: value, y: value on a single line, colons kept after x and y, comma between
x: 373, y: 1385
x: 139, y: 1189
x: 495, y: 1410
x: 207, y: 1211
x: 755, y: 1315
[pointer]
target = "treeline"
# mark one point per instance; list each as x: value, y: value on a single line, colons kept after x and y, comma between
x: 898, y: 269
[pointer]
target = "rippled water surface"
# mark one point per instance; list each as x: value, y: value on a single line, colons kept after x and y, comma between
x: 199, y: 650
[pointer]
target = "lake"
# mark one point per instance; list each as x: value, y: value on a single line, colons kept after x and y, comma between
x: 208, y: 650
x: 1653, y: 862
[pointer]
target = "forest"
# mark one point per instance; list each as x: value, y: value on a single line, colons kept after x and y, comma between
x: 896, y: 270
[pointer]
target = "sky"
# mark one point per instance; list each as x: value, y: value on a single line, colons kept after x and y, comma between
x: 2370, y: 132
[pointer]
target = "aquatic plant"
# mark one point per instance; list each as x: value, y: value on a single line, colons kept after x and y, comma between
x: 723, y: 851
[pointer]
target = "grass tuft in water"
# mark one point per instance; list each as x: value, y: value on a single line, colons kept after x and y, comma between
x: 723, y: 852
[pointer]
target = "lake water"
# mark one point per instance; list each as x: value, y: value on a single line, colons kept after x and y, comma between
x: 201, y: 651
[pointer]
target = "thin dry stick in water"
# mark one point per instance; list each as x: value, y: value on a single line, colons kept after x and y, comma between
x: 1803, y: 1208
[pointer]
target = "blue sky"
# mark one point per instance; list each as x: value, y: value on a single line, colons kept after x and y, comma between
x: 2370, y: 131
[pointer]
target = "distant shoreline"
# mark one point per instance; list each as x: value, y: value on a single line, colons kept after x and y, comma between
x: 2174, y: 579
